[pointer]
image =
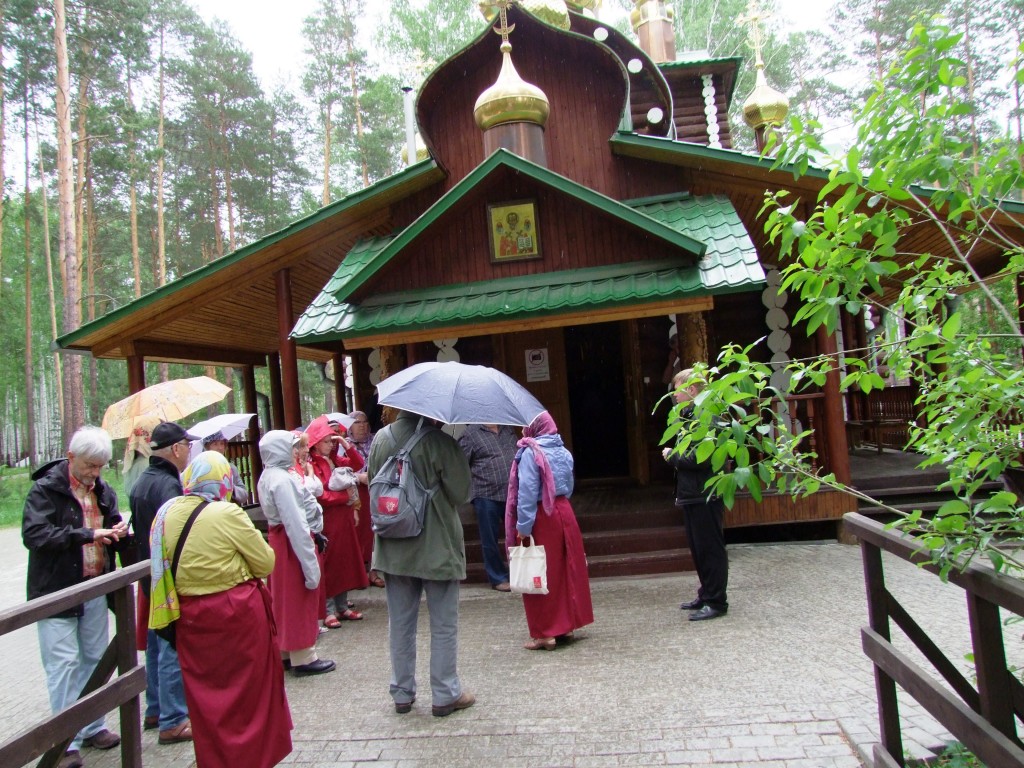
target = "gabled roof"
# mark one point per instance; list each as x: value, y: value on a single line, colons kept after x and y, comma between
x: 184, y: 320
x: 503, y: 159
x: 730, y: 264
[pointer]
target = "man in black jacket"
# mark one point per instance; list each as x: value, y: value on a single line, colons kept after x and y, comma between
x: 161, y: 481
x: 702, y: 515
x: 70, y: 526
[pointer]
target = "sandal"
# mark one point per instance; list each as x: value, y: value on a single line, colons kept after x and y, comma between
x: 331, y: 622
x: 376, y: 580
x: 540, y: 644
x: 350, y: 615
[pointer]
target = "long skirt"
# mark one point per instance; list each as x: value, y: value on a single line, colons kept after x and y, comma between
x: 234, y: 680
x: 365, y: 527
x: 343, y: 562
x: 567, y: 605
x: 296, y: 608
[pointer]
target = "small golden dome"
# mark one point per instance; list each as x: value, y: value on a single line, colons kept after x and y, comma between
x: 583, y: 5
x: 765, y: 105
x: 553, y: 12
x: 422, y: 153
x: 511, y: 99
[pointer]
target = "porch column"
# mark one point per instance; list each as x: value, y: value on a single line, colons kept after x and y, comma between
x: 252, y: 406
x: 357, y: 395
x: 692, y: 333
x: 339, y: 382
x: 834, y: 431
x: 136, y: 373
x: 276, y: 398
x: 289, y: 362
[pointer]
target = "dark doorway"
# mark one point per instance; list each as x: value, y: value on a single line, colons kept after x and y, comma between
x: 597, y: 400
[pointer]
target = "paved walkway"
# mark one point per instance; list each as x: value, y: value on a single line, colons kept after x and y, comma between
x: 780, y: 682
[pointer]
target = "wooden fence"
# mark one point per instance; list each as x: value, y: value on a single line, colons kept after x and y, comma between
x: 983, y: 718
x: 50, y: 737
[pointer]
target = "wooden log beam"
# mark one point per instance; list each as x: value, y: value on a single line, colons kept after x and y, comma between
x: 286, y: 345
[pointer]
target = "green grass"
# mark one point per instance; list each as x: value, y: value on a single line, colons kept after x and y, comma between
x: 954, y: 756
x: 14, y: 485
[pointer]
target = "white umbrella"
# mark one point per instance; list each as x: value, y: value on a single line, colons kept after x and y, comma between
x: 228, y: 424
x: 342, y: 418
x: 460, y: 394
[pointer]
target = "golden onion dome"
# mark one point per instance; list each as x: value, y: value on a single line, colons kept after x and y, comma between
x: 511, y: 99
x: 765, y: 105
x: 581, y: 6
x: 553, y: 12
x: 422, y: 153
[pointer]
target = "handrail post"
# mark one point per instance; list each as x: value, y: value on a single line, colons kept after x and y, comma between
x: 878, y: 618
x: 990, y: 665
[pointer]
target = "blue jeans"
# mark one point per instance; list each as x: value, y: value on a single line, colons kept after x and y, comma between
x: 71, y: 649
x: 403, y: 595
x: 490, y: 514
x: 165, y: 691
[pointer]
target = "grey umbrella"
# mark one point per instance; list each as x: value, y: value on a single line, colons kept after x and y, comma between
x: 460, y: 394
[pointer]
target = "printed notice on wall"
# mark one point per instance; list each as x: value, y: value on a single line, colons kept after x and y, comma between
x: 537, y: 368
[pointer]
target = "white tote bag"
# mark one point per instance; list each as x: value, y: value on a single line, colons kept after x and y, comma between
x: 528, y: 569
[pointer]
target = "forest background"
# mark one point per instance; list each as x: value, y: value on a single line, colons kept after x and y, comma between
x: 137, y: 144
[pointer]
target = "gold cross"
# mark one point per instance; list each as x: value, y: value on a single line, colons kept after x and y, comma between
x: 504, y: 29
x: 753, y: 18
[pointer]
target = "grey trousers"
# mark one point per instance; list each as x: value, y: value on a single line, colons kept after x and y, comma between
x: 403, y: 595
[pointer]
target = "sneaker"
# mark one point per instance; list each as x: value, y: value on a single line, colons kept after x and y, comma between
x: 317, y: 667
x: 502, y: 587
x: 465, y: 701
x: 71, y: 759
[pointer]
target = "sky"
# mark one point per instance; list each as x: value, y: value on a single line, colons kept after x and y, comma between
x: 272, y: 30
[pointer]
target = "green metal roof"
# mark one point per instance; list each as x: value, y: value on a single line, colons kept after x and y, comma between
x: 501, y: 159
x: 729, y: 265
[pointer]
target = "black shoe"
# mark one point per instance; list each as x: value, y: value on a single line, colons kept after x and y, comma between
x: 404, y: 707
x: 693, y: 605
x: 707, y: 612
x: 317, y: 667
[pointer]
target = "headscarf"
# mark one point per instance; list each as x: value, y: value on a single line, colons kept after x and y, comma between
x: 542, y: 425
x: 209, y: 476
x: 363, y: 446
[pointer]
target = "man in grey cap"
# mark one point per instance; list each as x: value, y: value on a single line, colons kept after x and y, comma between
x: 165, y: 693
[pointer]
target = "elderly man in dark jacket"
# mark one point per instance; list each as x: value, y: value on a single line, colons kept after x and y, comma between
x: 160, y: 482
x: 70, y: 526
x: 702, y: 515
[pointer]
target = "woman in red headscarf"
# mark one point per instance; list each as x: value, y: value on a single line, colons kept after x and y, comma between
x: 343, y: 560
x: 539, y: 488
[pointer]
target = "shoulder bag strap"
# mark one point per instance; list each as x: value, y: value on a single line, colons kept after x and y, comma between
x: 418, y: 435
x: 184, y: 534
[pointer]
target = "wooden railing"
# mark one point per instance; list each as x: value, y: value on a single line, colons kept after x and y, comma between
x: 983, y: 718
x: 882, y: 417
x: 50, y: 738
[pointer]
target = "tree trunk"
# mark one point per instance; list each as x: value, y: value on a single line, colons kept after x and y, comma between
x: 50, y: 293
x: 327, y: 156
x: 90, y: 261
x: 228, y: 196
x: 161, y: 242
x: 74, y: 411
x: 133, y: 204
x: 3, y: 143
x: 30, y: 421
x: 359, y: 117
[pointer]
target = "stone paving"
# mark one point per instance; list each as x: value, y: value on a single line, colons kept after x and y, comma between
x: 780, y: 682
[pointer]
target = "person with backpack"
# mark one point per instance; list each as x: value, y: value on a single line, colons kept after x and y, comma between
x: 432, y: 562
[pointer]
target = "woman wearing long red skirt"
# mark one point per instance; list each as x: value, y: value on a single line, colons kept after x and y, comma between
x: 234, y: 681
x: 540, y: 485
x: 343, y: 561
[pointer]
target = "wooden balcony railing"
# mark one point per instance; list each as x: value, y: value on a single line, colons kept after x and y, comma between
x: 50, y: 738
x: 983, y: 718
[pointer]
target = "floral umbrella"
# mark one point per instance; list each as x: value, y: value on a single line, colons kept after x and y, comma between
x: 168, y: 401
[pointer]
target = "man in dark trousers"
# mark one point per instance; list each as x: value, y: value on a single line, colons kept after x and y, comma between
x: 70, y: 526
x: 702, y: 514
x: 165, y: 692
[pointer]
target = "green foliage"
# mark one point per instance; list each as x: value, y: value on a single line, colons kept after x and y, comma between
x: 955, y: 755
x: 843, y: 250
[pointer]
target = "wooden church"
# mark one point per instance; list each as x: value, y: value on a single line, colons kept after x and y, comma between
x: 578, y: 219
